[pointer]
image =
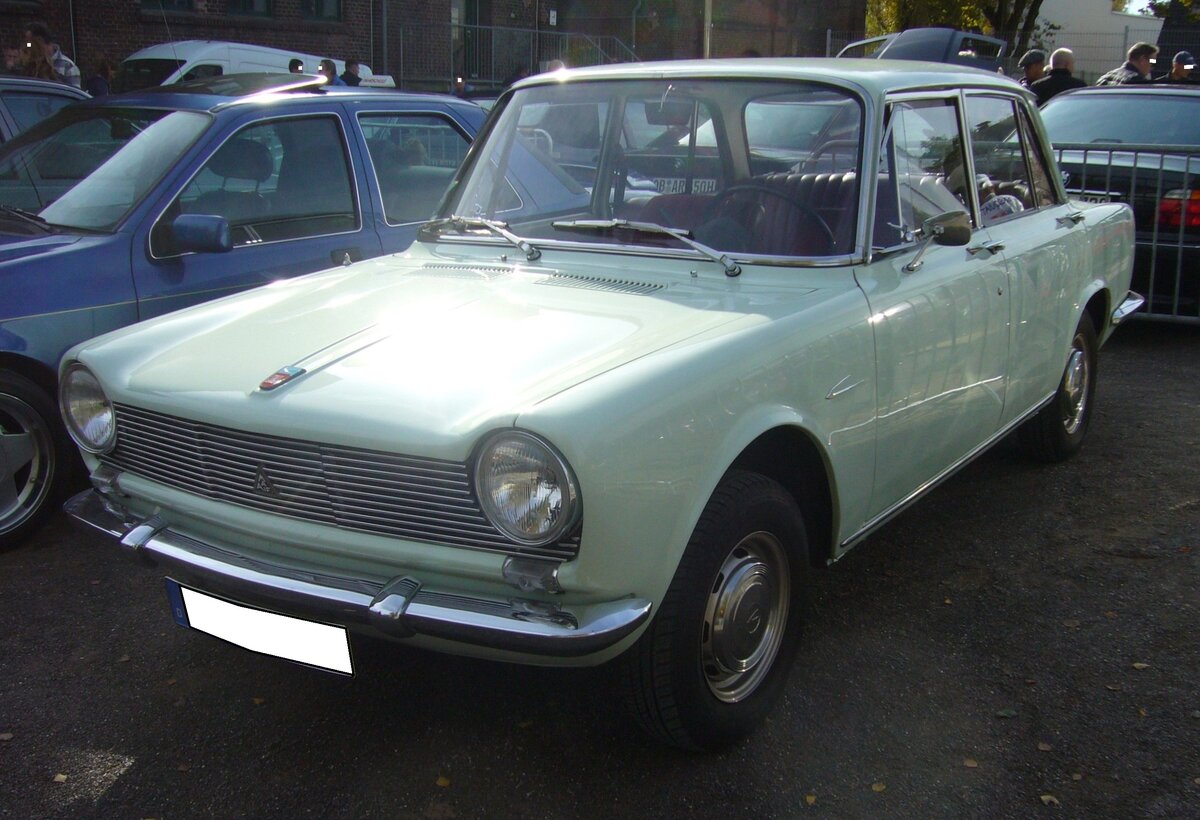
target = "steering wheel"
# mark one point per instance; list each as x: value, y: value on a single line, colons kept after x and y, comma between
x: 805, y: 210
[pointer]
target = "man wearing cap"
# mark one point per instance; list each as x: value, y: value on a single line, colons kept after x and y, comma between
x: 1034, y: 64
x: 1136, y: 70
x: 1058, y: 79
x: 1181, y: 69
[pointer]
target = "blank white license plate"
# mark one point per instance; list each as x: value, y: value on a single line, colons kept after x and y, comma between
x: 294, y: 639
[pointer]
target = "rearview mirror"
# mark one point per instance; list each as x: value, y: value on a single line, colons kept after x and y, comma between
x: 201, y: 233
x: 676, y: 113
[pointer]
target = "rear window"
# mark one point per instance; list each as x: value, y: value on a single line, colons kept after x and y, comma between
x: 1125, y: 119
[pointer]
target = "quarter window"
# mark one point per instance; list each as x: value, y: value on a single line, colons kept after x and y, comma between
x: 278, y: 180
x: 923, y: 171
x: 415, y: 157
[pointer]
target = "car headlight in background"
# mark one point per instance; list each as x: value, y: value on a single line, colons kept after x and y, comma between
x: 87, y: 411
x: 526, y: 488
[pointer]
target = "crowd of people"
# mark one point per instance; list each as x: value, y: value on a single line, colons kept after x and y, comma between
x: 1140, y: 61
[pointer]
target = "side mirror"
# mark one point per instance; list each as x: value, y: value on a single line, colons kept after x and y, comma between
x: 949, y: 228
x: 201, y: 233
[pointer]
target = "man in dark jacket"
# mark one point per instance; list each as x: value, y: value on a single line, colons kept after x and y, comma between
x: 1136, y: 70
x: 1059, y: 79
x: 1032, y: 65
x: 1181, y: 70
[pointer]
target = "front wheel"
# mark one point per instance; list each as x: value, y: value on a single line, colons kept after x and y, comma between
x: 715, y: 658
x: 35, y: 457
x: 1057, y: 431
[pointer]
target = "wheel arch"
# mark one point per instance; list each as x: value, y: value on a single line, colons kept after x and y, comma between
x: 790, y: 455
x: 37, y: 372
x: 1099, y: 309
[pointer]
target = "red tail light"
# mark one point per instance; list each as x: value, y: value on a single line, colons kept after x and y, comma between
x: 1180, y: 207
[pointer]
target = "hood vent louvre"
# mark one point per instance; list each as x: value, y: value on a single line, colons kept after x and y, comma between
x: 443, y: 270
x: 566, y: 280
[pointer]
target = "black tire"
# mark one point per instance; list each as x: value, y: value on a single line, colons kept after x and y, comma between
x: 36, y: 458
x: 1057, y: 431
x: 682, y: 678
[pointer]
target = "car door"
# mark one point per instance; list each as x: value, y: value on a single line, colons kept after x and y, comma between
x: 1031, y: 224
x: 412, y: 155
x: 287, y: 184
x: 940, y: 318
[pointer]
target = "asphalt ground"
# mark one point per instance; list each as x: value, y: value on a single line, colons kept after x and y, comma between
x: 1022, y: 643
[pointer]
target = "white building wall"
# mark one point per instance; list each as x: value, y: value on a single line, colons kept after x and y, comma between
x: 1098, y: 35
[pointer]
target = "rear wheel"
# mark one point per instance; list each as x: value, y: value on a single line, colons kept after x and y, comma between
x: 715, y: 658
x: 1057, y: 431
x: 35, y: 456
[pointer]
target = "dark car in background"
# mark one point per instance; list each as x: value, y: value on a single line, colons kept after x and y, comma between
x: 25, y: 101
x: 933, y: 44
x: 1140, y: 145
x: 117, y: 210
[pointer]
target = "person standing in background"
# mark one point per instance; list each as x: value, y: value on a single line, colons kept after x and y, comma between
x: 1136, y: 69
x: 1181, y: 69
x: 1059, y: 78
x: 1033, y: 63
x: 39, y: 38
x: 350, y: 75
x: 99, y: 84
x: 330, y: 71
x: 296, y: 66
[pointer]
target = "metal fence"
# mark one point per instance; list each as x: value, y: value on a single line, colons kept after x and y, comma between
x: 430, y: 56
x: 1162, y: 185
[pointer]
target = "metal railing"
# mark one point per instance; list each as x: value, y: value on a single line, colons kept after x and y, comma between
x: 1162, y: 185
x: 430, y: 56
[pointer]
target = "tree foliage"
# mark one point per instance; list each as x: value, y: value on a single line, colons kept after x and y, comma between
x: 1012, y: 20
x: 1187, y: 10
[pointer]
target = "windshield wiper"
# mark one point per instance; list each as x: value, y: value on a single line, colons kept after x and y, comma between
x: 731, y: 268
x: 462, y: 223
x: 28, y: 217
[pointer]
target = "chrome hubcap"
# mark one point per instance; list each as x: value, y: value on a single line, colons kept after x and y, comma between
x: 746, y: 616
x: 1075, y: 384
x: 24, y: 462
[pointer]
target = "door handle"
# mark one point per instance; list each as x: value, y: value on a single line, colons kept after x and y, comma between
x: 994, y: 246
x: 1072, y: 219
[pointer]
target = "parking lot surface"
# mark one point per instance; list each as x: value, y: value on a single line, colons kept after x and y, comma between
x: 1021, y: 643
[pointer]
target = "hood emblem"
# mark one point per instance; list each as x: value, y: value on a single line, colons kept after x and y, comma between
x: 280, y: 377
x: 263, y: 485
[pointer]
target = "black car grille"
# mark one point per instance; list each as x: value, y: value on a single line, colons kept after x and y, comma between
x: 354, y: 489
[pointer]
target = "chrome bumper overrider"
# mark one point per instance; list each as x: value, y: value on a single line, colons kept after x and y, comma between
x: 400, y: 608
x: 1132, y: 302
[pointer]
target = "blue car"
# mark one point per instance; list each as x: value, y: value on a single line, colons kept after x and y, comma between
x: 117, y: 210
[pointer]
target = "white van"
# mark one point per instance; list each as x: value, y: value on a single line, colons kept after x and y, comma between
x: 168, y: 63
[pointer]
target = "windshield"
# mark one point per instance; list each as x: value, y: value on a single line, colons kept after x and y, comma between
x: 86, y: 168
x: 1129, y: 119
x: 143, y: 73
x: 747, y: 167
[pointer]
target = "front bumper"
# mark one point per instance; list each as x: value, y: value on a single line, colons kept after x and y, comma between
x: 399, y: 608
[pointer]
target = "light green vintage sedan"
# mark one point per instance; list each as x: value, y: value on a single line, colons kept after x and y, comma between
x: 680, y: 334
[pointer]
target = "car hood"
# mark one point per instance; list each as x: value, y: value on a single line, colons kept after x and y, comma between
x: 20, y: 244
x: 417, y: 354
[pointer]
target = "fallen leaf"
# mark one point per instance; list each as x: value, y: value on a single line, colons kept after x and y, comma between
x: 878, y: 787
x: 170, y: 681
x: 1195, y: 714
x: 810, y: 799
x: 1077, y: 776
x: 6, y: 736
x: 60, y: 778
x: 947, y: 601
x: 970, y: 763
x: 259, y: 701
x: 1197, y: 781
x: 1044, y: 747
x: 1140, y: 665
x: 1008, y: 712
x: 443, y: 781
x: 1070, y: 623
x: 1050, y: 800
x: 1185, y: 550
x: 94, y: 583
x: 123, y: 659
x: 1030, y: 682
x: 1110, y: 614
x: 1142, y: 711
x: 183, y: 767
x: 525, y: 724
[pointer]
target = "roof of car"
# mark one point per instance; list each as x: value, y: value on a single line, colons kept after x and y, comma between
x: 31, y: 84
x: 1160, y: 89
x: 870, y: 75
x: 216, y: 93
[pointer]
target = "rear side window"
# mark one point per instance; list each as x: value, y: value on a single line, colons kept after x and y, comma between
x: 1128, y: 118
x: 414, y: 157
x: 1001, y: 175
x: 28, y: 108
x: 273, y: 181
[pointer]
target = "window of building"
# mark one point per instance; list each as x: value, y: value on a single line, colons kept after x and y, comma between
x: 258, y: 8
x: 168, y: 5
x: 322, y: 9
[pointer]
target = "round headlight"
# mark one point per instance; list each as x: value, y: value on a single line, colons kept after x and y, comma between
x: 526, y: 488
x: 87, y: 411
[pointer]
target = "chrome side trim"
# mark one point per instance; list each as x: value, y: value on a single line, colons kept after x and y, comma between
x: 398, y: 608
x: 902, y: 505
x: 1131, y: 303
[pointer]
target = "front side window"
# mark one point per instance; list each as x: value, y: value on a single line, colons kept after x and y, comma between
x: 1001, y: 173
x: 273, y: 181
x: 924, y: 170
x: 414, y: 157
x: 762, y: 169
x: 85, y: 168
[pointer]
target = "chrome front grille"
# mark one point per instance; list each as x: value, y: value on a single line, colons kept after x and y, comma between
x: 354, y: 489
